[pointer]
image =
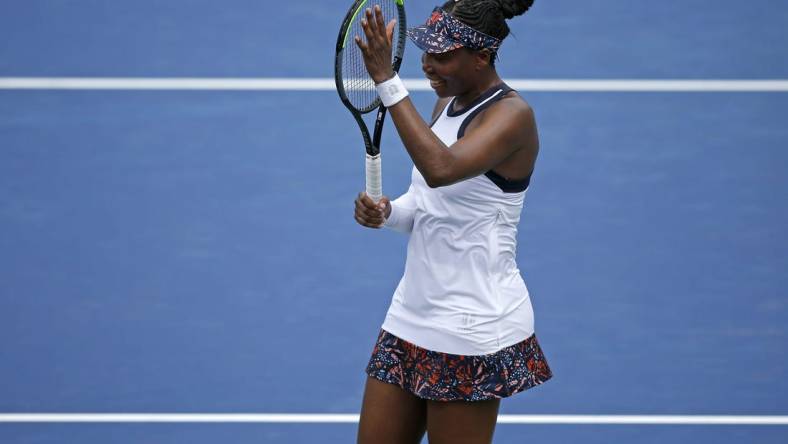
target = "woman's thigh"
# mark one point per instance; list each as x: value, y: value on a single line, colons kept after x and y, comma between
x: 391, y: 415
x: 462, y: 422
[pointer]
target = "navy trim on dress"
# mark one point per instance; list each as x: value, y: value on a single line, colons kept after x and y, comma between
x: 451, y: 112
x: 506, y: 185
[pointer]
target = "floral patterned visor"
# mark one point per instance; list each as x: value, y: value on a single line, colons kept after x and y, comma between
x: 443, y: 33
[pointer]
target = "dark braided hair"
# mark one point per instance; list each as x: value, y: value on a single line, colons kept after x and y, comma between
x: 487, y: 16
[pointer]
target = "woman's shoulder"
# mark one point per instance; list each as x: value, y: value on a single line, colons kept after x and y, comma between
x: 513, y: 101
x: 510, y: 107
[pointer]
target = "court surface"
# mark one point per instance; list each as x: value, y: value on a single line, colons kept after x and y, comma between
x: 178, y: 251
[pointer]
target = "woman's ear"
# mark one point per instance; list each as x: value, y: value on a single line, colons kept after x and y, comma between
x: 483, y: 57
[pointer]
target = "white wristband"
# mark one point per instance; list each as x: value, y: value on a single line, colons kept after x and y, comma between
x: 391, y: 91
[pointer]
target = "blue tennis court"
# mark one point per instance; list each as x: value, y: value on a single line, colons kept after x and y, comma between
x: 183, y: 251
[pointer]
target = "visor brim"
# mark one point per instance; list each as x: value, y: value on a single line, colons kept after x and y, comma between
x: 428, y: 41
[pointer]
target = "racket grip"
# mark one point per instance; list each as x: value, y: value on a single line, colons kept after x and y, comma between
x: 374, y: 185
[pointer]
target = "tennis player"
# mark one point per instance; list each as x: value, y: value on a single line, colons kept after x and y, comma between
x: 459, y: 333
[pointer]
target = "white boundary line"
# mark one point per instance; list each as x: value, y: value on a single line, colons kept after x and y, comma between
x: 354, y: 418
x: 327, y: 84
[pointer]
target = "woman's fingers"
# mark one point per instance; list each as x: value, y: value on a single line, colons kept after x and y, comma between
x: 367, y: 201
x: 390, y: 30
x: 376, y: 47
x: 368, y: 221
x: 375, y: 28
x: 361, y: 45
x: 379, y: 24
x: 367, y: 28
x: 371, y: 22
x: 367, y: 213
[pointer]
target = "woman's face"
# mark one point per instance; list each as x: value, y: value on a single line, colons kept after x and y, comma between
x: 450, y: 73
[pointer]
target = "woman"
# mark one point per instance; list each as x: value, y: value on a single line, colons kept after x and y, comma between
x: 459, y: 333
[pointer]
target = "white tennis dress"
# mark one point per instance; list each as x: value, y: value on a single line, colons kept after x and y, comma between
x: 461, y: 292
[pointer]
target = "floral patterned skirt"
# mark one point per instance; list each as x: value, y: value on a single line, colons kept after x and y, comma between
x: 447, y: 377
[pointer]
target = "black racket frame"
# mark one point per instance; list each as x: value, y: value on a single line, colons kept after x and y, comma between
x: 372, y: 146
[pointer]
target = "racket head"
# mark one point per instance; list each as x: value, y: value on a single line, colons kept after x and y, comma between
x: 354, y: 85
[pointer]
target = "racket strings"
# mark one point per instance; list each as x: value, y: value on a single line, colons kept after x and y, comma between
x: 359, y: 87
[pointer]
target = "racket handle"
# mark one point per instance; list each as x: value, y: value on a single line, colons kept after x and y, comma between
x: 374, y: 185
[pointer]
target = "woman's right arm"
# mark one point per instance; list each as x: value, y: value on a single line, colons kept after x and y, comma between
x: 397, y: 214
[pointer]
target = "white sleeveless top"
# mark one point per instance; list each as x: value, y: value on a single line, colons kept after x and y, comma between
x: 461, y: 292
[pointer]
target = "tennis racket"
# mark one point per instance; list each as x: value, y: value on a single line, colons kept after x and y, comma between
x: 357, y: 89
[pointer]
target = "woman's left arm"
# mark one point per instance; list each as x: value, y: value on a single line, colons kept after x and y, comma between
x: 501, y: 130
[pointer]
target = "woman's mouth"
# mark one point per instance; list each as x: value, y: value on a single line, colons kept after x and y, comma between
x: 436, y: 83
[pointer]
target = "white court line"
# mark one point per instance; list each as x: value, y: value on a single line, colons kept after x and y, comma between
x: 353, y: 418
x: 327, y: 84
